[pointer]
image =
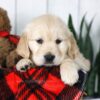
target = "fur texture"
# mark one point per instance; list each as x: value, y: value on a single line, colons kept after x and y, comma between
x: 49, y: 34
x: 4, y: 21
x: 7, y: 57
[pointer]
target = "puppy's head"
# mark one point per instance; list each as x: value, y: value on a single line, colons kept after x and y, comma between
x: 48, y: 40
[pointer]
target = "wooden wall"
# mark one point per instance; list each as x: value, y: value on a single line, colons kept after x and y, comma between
x: 22, y: 12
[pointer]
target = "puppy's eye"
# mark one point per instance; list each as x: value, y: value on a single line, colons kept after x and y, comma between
x: 58, y: 41
x: 40, y: 41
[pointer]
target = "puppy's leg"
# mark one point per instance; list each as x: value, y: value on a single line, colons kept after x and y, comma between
x: 69, y: 72
x: 23, y: 65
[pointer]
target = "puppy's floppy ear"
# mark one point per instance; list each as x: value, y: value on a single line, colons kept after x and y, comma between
x: 76, y: 55
x: 22, y: 48
x: 73, y: 49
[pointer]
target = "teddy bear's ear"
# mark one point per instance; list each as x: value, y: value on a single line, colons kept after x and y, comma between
x: 22, y: 48
x: 3, y: 12
x: 4, y: 21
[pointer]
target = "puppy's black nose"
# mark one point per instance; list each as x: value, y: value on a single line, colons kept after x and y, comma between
x: 49, y: 58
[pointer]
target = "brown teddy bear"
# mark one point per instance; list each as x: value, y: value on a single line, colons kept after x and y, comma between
x: 8, y: 42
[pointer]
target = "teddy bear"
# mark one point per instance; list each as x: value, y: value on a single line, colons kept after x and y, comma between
x: 8, y: 42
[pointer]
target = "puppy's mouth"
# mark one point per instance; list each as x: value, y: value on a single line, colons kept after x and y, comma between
x: 48, y: 64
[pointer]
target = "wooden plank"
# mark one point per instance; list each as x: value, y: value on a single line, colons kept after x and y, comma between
x: 27, y: 10
x: 9, y: 5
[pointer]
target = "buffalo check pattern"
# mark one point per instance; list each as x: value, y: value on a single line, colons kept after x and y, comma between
x: 37, y: 84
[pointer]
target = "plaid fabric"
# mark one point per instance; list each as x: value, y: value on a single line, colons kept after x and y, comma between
x: 37, y: 84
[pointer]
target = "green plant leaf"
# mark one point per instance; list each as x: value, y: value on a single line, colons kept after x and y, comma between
x: 81, y: 25
x: 80, y: 40
x: 97, y: 64
x: 71, y: 26
x: 98, y: 84
x: 97, y: 60
x: 88, y: 49
x: 88, y: 46
x: 89, y: 27
x: 91, y: 82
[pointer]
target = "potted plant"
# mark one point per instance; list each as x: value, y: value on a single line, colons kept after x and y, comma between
x: 86, y: 47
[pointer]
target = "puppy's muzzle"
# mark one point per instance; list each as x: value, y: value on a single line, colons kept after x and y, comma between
x: 49, y: 58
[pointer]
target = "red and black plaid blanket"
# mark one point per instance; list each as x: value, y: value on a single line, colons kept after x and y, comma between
x: 38, y: 84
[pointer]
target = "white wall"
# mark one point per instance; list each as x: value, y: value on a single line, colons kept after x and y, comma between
x: 22, y: 12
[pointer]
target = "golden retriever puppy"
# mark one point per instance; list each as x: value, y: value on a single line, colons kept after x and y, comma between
x: 47, y: 41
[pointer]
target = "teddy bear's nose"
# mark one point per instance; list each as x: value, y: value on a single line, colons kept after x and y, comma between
x: 49, y: 57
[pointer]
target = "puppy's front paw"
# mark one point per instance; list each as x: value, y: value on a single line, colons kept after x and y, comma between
x: 69, y: 74
x: 23, y: 65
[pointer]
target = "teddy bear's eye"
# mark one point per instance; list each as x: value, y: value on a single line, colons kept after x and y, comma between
x: 58, y: 41
x: 40, y: 41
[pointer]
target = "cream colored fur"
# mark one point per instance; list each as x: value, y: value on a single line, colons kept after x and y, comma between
x: 49, y: 28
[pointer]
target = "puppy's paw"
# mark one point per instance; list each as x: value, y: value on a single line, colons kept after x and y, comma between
x: 69, y: 74
x: 23, y: 65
